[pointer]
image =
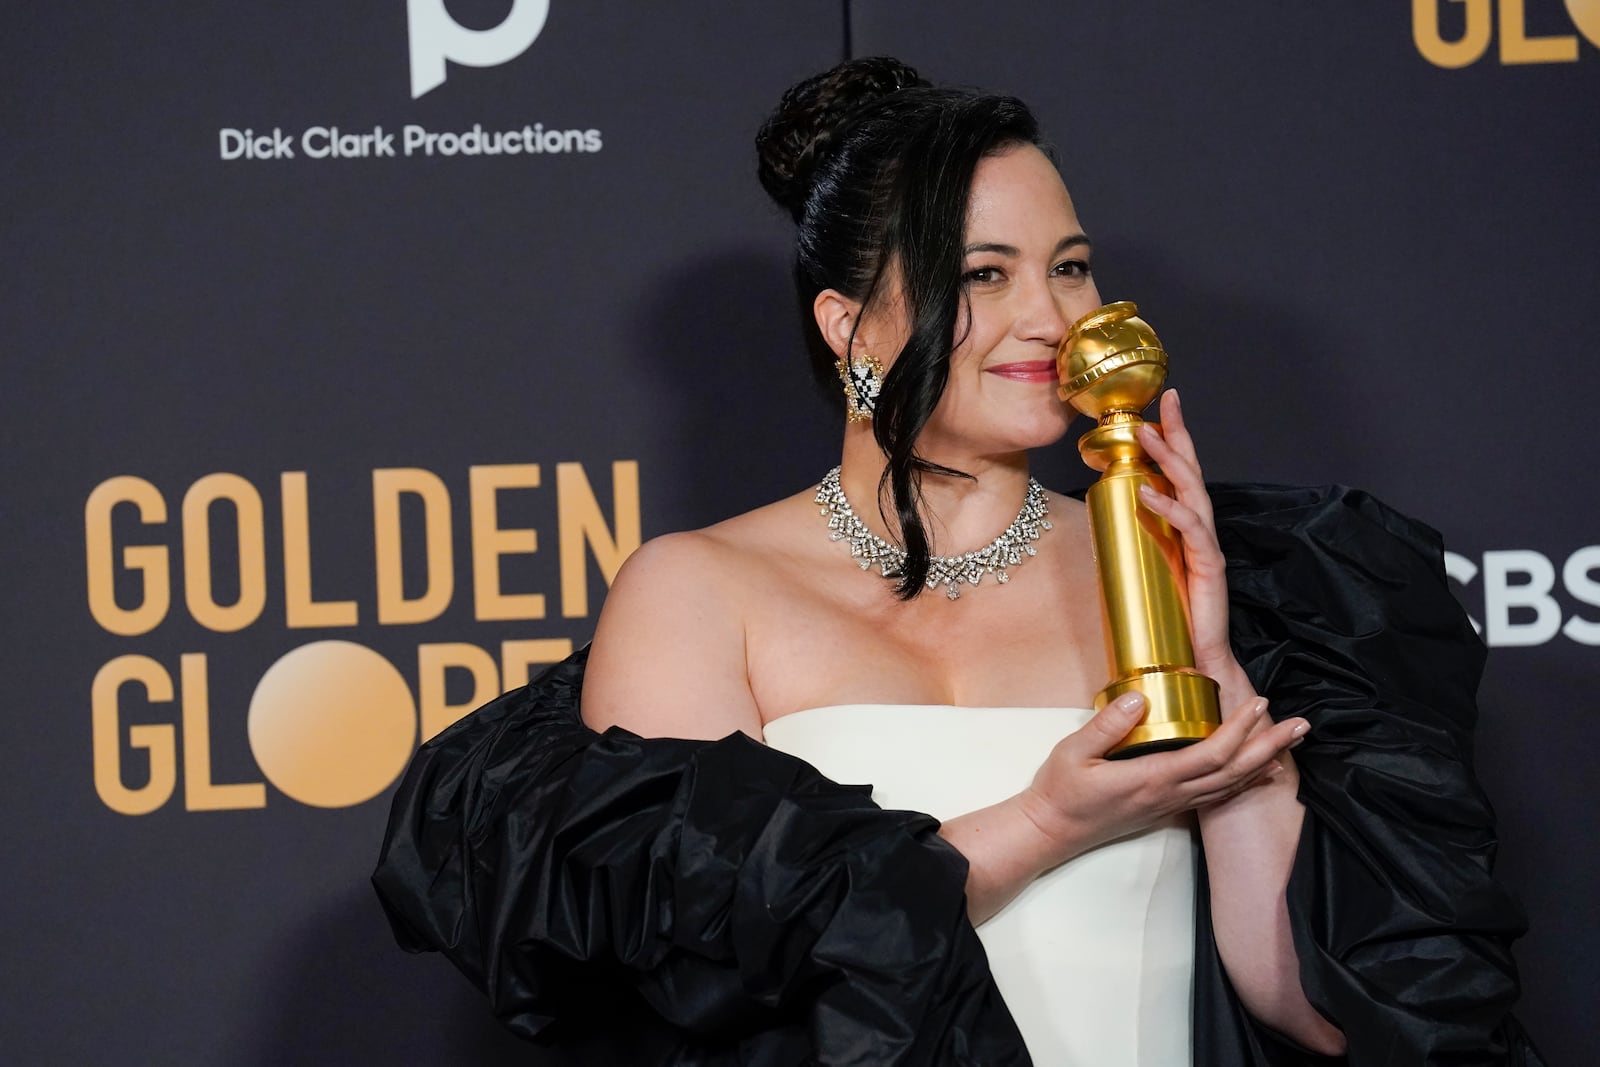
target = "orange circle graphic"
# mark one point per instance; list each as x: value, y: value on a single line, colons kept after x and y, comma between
x: 332, y: 724
x: 1585, y: 15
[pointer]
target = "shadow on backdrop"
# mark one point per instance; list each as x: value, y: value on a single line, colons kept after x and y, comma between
x: 722, y: 339
x: 1262, y: 384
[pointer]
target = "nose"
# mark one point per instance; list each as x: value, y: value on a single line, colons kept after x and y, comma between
x: 1046, y: 314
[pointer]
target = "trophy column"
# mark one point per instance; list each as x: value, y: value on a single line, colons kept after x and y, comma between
x: 1111, y: 367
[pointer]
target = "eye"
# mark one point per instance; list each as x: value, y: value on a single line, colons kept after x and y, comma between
x: 1072, y: 268
x: 983, y: 276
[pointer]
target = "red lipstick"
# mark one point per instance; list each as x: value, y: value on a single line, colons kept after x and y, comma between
x: 1033, y: 370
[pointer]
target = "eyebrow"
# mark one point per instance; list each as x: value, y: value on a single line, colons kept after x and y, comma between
x: 1071, y: 241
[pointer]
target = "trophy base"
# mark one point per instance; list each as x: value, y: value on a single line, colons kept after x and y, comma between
x: 1182, y: 710
x: 1129, y: 750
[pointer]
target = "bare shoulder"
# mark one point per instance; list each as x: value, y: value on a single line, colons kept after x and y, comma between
x: 674, y: 574
x: 702, y: 573
x: 669, y: 651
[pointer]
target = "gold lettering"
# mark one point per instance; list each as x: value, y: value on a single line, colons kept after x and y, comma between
x: 490, y: 542
x: 199, y: 792
x: 300, y: 609
x: 582, y: 524
x: 197, y: 553
x: 433, y: 664
x: 517, y: 656
x: 387, y: 485
x: 1517, y: 47
x: 1435, y: 49
x: 155, y: 589
x: 156, y: 739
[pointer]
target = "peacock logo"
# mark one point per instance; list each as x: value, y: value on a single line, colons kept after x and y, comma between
x: 437, y: 39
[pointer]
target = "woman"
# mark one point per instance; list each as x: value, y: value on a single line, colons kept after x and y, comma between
x: 941, y: 261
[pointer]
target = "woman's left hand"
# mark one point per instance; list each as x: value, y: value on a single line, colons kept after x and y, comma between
x: 1250, y: 838
x: 1189, y: 511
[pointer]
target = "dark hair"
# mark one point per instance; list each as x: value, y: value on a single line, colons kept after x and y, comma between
x: 876, y: 165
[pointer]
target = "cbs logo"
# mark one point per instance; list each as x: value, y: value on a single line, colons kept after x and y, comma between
x: 1516, y: 46
x: 436, y: 37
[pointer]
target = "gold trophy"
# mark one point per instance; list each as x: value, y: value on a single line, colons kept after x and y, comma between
x: 1111, y: 366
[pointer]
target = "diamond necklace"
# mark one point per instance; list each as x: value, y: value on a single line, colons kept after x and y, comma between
x: 1013, y: 545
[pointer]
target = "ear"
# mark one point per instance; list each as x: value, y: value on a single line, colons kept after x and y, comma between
x: 837, y: 316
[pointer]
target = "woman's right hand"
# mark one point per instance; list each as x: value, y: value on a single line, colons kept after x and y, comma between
x: 1080, y: 799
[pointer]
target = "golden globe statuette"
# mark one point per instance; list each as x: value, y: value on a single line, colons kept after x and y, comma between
x: 1111, y: 366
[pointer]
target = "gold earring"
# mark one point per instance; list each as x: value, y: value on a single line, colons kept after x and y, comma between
x: 862, y: 378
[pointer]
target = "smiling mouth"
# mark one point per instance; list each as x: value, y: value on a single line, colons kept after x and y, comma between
x: 1033, y: 370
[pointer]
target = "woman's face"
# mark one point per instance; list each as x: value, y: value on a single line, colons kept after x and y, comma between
x: 1025, y: 274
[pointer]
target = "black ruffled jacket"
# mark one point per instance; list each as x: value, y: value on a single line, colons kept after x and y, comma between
x: 658, y: 901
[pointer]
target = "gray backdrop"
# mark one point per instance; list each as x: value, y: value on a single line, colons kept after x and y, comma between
x: 439, y: 384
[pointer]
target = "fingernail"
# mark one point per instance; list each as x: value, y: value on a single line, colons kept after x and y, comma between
x: 1146, y: 493
x: 1299, y: 734
x: 1177, y: 400
x: 1260, y: 706
x: 1129, y: 701
x: 1274, y: 769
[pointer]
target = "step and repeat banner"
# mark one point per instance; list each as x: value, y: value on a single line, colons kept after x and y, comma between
x: 348, y: 354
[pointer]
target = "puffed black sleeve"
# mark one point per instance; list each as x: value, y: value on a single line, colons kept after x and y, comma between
x: 661, y: 901
x: 1340, y: 612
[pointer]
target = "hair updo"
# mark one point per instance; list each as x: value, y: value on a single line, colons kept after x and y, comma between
x: 875, y: 165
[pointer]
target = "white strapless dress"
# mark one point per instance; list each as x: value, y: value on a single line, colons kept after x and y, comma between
x: 1096, y: 957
